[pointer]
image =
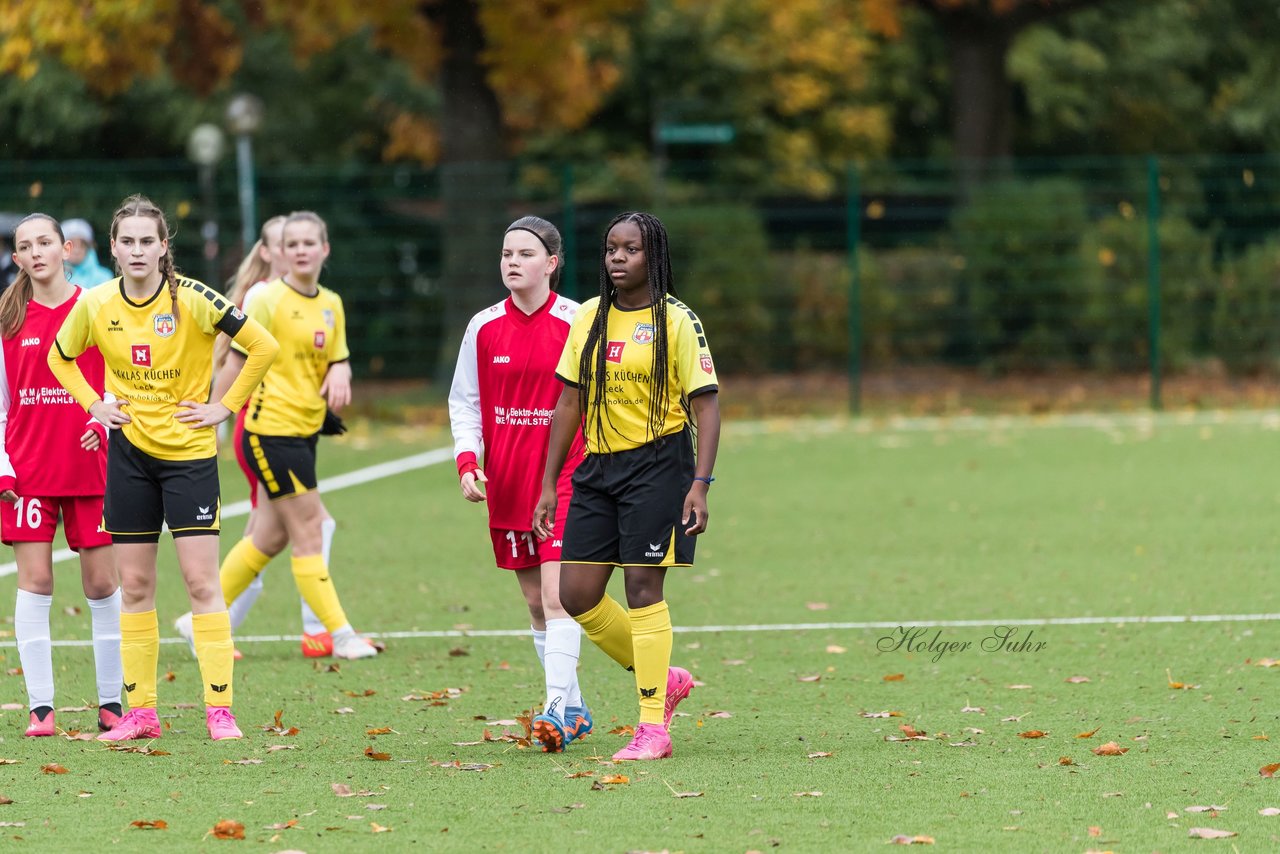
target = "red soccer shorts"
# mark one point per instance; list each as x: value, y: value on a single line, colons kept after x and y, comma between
x: 35, y: 520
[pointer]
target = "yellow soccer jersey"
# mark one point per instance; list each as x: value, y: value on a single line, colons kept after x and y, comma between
x: 629, y: 362
x: 312, y: 331
x: 154, y: 359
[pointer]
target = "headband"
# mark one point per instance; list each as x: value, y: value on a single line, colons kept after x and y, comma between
x: 534, y: 233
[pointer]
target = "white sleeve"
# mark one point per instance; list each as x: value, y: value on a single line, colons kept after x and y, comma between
x: 6, y: 465
x: 251, y: 293
x: 464, y: 398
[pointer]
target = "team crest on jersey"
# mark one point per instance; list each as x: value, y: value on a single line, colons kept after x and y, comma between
x: 613, y: 353
x: 164, y: 324
x: 705, y: 361
x: 141, y: 354
x: 643, y: 333
x: 328, y: 318
x: 319, y: 339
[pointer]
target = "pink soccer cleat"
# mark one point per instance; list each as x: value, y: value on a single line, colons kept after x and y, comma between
x: 41, y: 722
x: 651, y: 742
x: 679, y: 684
x: 136, y: 723
x: 222, y: 724
x: 108, y: 716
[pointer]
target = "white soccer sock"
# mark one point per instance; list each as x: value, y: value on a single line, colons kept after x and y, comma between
x: 564, y: 644
x: 105, y: 614
x: 240, y: 607
x: 35, y: 649
x: 540, y: 644
x: 310, y: 622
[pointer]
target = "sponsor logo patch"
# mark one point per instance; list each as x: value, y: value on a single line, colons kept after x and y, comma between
x: 319, y: 339
x: 328, y: 318
x: 141, y: 355
x: 643, y: 333
x: 613, y: 352
x: 705, y: 361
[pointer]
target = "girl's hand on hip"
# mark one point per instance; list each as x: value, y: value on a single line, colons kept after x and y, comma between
x: 198, y: 415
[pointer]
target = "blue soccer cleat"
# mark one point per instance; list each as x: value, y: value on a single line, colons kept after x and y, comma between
x: 578, y: 722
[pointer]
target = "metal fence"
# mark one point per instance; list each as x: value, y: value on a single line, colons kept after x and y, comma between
x: 1148, y: 265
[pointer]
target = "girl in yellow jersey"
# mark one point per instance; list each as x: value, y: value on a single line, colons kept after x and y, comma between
x: 283, y: 423
x: 638, y: 376
x: 156, y: 331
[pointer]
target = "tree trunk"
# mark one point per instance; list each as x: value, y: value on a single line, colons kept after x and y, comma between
x: 474, y: 174
x: 981, y: 100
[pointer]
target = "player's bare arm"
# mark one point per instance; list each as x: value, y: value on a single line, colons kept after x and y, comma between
x: 706, y: 413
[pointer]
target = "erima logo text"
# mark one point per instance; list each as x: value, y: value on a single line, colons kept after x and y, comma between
x: 204, y: 515
x: 655, y: 550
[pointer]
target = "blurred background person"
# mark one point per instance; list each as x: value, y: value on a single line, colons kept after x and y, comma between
x: 83, y: 267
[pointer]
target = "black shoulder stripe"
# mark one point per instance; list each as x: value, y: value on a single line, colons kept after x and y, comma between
x: 702, y: 341
x: 697, y: 327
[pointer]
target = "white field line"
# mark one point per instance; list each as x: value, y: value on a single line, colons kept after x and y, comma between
x: 1266, y: 418
x: 328, y: 484
x: 783, y: 627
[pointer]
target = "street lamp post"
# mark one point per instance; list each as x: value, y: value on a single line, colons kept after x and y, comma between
x: 205, y: 147
x: 244, y: 117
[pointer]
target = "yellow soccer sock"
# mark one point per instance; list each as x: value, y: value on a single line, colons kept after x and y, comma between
x: 212, y: 636
x: 140, y: 656
x: 651, y: 637
x: 312, y: 578
x: 609, y: 628
x: 240, y: 567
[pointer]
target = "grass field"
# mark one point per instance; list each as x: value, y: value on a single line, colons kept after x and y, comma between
x: 825, y: 538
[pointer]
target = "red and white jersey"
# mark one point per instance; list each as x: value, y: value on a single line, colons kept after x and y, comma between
x: 503, y: 395
x: 40, y: 422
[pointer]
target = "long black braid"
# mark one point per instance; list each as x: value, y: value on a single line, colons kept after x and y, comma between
x: 592, y: 362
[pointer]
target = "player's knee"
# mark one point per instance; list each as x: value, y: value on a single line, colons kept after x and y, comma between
x: 578, y: 601
x: 643, y: 590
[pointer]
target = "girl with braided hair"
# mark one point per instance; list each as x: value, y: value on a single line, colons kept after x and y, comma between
x: 156, y: 330
x: 638, y: 378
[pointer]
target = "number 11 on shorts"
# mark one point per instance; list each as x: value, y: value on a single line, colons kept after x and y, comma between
x: 514, y: 539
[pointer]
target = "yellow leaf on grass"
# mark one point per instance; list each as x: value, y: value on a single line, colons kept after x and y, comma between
x: 379, y: 757
x: 615, y: 780
x: 1033, y: 733
x: 53, y: 768
x: 1269, y: 770
x: 1110, y: 749
x: 143, y: 824
x: 1089, y: 734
